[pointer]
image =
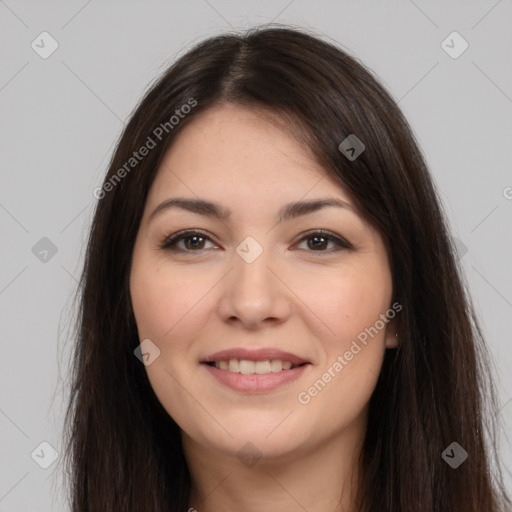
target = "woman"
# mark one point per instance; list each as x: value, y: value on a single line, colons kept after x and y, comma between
x: 272, y: 312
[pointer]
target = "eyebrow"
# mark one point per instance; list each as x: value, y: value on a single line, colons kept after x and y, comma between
x: 215, y: 210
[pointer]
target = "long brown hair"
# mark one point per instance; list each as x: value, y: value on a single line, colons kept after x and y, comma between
x: 123, y: 450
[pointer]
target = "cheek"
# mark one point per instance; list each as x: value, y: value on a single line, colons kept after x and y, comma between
x: 167, y: 308
x: 162, y: 298
x: 351, y: 306
x: 345, y: 303
x: 340, y: 398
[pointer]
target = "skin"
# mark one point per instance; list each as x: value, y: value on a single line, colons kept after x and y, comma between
x: 293, y: 297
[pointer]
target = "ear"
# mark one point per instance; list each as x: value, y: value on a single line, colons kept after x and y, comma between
x: 390, y: 338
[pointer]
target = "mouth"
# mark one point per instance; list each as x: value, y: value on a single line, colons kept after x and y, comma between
x: 259, y: 370
x: 254, y: 361
x: 248, y: 367
x: 250, y: 377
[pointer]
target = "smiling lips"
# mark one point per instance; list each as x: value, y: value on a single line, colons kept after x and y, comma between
x: 254, y: 370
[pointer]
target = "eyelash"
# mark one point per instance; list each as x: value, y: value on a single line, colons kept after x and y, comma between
x: 169, y: 243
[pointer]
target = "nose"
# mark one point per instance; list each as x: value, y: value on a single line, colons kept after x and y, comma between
x: 254, y: 294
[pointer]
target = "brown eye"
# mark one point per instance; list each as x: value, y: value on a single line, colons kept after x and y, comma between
x: 318, y: 241
x: 193, y: 241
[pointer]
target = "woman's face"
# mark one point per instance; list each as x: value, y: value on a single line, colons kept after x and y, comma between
x: 265, y: 288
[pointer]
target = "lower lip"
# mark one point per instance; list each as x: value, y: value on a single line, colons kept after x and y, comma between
x: 255, y: 383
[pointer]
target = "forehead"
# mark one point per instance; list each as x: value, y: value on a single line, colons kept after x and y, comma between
x: 237, y: 151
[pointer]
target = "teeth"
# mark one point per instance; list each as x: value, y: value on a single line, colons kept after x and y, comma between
x: 276, y: 365
x: 246, y: 367
x: 262, y: 367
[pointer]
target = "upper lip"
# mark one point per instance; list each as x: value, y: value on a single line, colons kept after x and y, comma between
x: 261, y: 354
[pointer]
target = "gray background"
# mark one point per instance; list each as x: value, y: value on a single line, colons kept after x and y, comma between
x: 61, y: 116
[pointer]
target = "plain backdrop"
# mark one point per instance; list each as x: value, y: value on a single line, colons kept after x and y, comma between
x: 61, y: 115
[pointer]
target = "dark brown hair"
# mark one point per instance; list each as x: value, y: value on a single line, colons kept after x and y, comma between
x: 124, y: 451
